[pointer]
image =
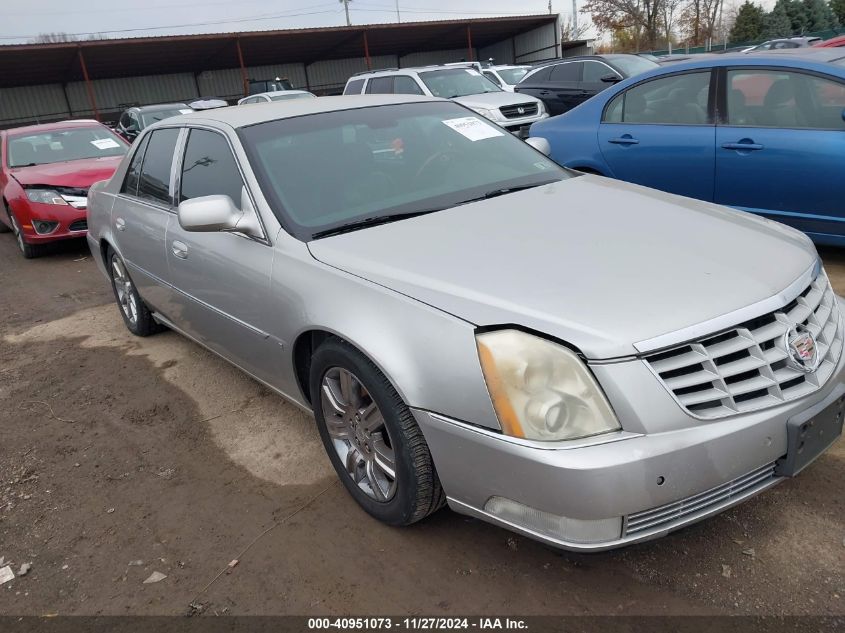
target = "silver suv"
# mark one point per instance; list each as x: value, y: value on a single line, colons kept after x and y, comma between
x: 458, y: 82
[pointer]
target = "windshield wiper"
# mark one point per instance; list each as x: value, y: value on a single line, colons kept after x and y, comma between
x: 368, y: 222
x: 495, y: 193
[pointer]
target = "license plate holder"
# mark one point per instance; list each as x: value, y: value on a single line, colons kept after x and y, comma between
x: 810, y: 433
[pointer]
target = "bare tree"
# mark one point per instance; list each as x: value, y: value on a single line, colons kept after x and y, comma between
x: 571, y: 31
x: 53, y: 38
x: 643, y: 17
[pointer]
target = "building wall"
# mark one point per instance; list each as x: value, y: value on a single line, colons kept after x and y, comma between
x: 30, y: 104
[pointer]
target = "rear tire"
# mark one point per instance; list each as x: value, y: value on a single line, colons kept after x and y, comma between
x: 136, y: 315
x: 384, y: 440
x: 4, y: 209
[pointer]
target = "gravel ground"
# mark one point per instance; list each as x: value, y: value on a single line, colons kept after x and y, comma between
x: 121, y: 457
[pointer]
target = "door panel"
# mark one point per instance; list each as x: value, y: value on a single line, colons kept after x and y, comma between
x: 564, y: 88
x: 141, y: 225
x: 782, y: 150
x: 222, y: 279
x: 658, y: 134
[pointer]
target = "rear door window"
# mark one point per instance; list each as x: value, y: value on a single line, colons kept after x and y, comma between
x: 154, y: 181
x: 209, y: 168
x: 570, y: 71
x: 405, y: 85
x: 380, y: 86
x: 784, y: 99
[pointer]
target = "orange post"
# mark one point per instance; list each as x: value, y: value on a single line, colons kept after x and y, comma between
x: 367, y: 51
x: 470, y: 54
x: 88, y: 85
x: 244, y: 77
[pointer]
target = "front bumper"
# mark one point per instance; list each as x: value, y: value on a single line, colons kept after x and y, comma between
x: 653, y: 482
x: 520, y: 127
x: 70, y: 222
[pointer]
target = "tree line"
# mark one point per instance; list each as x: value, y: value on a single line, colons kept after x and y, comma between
x: 653, y: 24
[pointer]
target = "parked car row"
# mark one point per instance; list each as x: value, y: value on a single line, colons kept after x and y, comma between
x: 760, y: 132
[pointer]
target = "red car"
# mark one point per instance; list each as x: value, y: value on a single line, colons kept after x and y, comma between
x: 45, y: 173
x: 833, y: 42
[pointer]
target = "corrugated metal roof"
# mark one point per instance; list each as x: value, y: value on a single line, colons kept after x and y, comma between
x: 30, y: 64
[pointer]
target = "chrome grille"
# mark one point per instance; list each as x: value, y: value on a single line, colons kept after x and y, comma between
x: 513, y: 111
x: 664, y: 516
x: 745, y: 368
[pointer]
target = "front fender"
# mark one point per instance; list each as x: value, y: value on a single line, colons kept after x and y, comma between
x: 429, y: 356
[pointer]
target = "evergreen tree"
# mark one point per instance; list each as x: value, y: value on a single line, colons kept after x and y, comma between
x: 749, y: 23
x: 797, y: 12
x: 838, y: 9
x: 820, y: 16
x: 777, y: 22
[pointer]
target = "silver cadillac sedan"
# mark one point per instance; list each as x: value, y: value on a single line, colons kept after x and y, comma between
x: 584, y: 361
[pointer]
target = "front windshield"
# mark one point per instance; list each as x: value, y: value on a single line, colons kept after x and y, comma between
x: 325, y: 170
x: 632, y: 65
x: 512, y: 75
x: 295, y: 95
x: 64, y: 145
x: 457, y: 82
x: 148, y: 118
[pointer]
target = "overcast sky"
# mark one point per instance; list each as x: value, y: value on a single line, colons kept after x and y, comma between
x: 21, y: 20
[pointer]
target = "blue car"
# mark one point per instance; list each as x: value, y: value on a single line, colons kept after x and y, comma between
x: 762, y: 132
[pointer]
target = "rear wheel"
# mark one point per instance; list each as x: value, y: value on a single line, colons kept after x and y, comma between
x: 136, y: 315
x: 371, y: 437
x: 29, y: 251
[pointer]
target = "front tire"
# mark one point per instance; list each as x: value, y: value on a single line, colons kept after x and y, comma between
x: 136, y: 315
x: 29, y: 251
x: 371, y: 437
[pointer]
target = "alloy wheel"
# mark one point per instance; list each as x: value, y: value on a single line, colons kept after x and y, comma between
x: 358, y: 432
x: 123, y: 288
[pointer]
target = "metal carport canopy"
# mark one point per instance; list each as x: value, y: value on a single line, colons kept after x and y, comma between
x: 32, y: 64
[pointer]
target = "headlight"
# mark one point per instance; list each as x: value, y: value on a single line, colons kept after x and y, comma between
x: 541, y: 108
x: 45, y: 196
x: 540, y: 390
x: 487, y: 114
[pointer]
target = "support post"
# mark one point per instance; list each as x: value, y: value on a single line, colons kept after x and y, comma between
x: 367, y: 52
x: 88, y: 85
x: 470, y: 54
x: 244, y: 77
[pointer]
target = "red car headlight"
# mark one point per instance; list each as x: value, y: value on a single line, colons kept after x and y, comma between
x: 45, y: 196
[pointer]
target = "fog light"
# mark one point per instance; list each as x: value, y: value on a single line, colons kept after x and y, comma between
x: 554, y: 526
x: 42, y: 227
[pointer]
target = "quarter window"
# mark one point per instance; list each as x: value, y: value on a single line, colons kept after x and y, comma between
x: 130, y: 183
x: 209, y: 168
x: 154, y: 182
x: 673, y: 100
x: 784, y: 99
x: 354, y: 87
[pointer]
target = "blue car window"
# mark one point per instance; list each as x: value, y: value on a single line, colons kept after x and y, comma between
x: 674, y: 100
x: 784, y: 99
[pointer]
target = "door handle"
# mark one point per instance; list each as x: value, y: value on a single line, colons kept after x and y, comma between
x: 120, y: 224
x: 180, y: 249
x: 625, y: 139
x: 743, y: 146
x: 545, y: 93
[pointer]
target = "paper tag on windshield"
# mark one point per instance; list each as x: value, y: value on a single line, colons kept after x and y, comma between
x: 105, y: 143
x: 183, y: 111
x: 473, y: 128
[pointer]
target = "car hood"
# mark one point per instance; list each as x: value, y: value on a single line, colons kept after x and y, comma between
x: 595, y: 262
x: 492, y: 100
x: 75, y: 173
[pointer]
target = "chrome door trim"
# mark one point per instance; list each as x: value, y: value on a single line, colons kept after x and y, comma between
x: 731, y: 319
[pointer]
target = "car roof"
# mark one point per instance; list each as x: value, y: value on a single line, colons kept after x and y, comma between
x: 53, y: 127
x: 579, y: 58
x: 237, y: 117
x: 807, y: 58
x: 270, y: 93
x: 159, y: 106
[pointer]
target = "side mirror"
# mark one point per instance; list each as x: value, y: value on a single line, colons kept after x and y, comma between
x: 611, y: 78
x: 540, y: 144
x: 218, y: 213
